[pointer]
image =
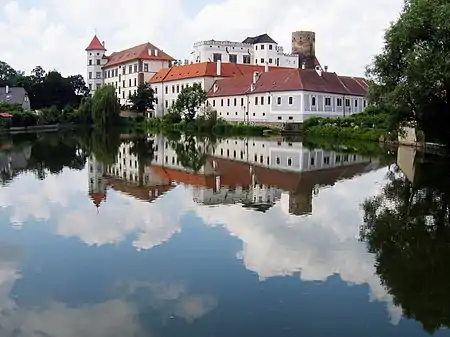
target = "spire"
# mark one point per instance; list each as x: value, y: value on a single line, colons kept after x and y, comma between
x: 97, y: 198
x: 95, y: 44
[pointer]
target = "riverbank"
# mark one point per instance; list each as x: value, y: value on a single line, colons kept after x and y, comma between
x: 200, y: 126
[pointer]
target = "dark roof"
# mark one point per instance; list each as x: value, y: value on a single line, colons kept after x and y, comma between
x: 290, y: 80
x: 263, y: 38
x: 15, y: 95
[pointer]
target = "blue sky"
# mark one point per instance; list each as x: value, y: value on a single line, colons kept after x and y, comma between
x: 54, y: 33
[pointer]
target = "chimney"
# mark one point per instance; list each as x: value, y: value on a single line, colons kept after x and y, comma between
x: 255, y: 77
x: 103, y: 43
x: 303, y: 65
x: 215, y: 87
x: 7, y: 89
x: 266, y: 67
x: 326, y: 68
x: 156, y: 52
x: 319, y: 70
x: 219, y: 68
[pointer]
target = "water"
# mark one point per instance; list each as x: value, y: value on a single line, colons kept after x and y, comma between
x: 102, y: 236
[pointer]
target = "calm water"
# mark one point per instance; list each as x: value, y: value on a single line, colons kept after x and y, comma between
x: 108, y: 236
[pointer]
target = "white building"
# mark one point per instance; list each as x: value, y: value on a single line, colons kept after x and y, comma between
x: 287, y: 96
x: 126, y: 69
x: 168, y: 83
x: 259, y: 50
x: 97, y: 182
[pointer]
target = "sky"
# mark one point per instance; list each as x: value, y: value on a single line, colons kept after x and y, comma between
x: 55, y: 33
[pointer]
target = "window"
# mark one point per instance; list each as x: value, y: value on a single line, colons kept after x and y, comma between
x: 279, y: 100
x: 364, y: 103
x: 228, y: 102
x: 221, y: 102
x: 214, y: 102
x: 178, y: 89
x: 339, y: 102
x: 270, y: 60
x: 146, y: 67
x: 90, y: 62
x: 98, y: 62
x: 262, y: 47
x: 123, y: 70
x: 90, y: 86
x: 166, y: 104
x: 98, y: 74
x: 313, y: 101
x: 347, y: 102
x: 135, y: 68
x: 279, y: 118
x: 135, y: 82
x: 256, y: 100
x: 129, y: 82
x: 289, y: 162
x: 130, y: 69
x: 278, y: 161
x: 312, y: 161
x: 242, y: 101
x: 173, y: 89
x: 167, y: 89
x: 235, y: 101
x: 155, y: 89
x: 327, y: 101
x: 123, y: 84
x: 291, y: 100
x: 246, y: 59
x: 262, y: 100
x: 262, y: 60
x: 90, y: 75
x: 291, y: 118
x: 356, y: 103
x: 217, y: 57
x: 326, y: 160
x: 270, y: 47
x: 268, y: 99
x: 278, y: 62
x: 233, y: 58
x: 98, y: 85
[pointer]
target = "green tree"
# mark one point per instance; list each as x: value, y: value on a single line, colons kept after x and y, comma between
x: 189, y: 101
x: 142, y: 99
x: 192, y: 152
x: 105, y: 106
x: 8, y: 75
x: 407, y: 227
x: 411, y: 76
x: 84, y: 112
x: 143, y: 148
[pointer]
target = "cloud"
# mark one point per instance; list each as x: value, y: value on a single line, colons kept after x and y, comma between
x: 349, y: 32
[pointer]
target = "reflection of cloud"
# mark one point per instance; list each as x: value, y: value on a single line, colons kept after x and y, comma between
x: 114, y: 318
x: 318, y: 246
x: 152, y: 223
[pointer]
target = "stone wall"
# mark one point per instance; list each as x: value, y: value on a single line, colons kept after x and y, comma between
x: 304, y: 45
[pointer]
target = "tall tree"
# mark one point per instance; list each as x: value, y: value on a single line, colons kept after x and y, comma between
x: 143, y: 98
x: 8, y: 74
x: 411, y: 76
x: 105, y: 106
x: 189, y: 101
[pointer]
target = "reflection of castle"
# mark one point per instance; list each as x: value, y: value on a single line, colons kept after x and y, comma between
x: 97, y: 182
x: 252, y: 172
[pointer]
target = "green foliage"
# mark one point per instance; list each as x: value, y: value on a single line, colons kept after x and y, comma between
x: 369, y: 125
x: 143, y: 98
x: 105, y: 106
x: 189, y: 101
x: 45, y: 89
x: 84, y: 112
x: 411, y: 77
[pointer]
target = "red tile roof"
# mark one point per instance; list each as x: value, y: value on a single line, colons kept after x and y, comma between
x: 95, y: 44
x: 187, y: 178
x: 97, y: 198
x: 290, y: 80
x: 140, y: 52
x: 206, y: 69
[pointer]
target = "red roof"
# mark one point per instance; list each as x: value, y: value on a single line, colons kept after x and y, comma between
x: 5, y: 115
x: 95, y: 44
x: 145, y: 51
x: 206, y: 69
x: 290, y: 80
x: 97, y: 198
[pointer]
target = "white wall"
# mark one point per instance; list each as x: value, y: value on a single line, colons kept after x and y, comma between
x: 94, y: 72
x: 204, y: 51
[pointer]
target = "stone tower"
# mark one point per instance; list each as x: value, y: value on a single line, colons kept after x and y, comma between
x: 95, y: 54
x: 304, y: 45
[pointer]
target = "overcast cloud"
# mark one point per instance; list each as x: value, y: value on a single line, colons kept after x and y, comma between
x: 54, y: 33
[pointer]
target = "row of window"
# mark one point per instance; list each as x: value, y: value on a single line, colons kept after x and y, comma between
x: 175, y: 88
x: 232, y: 58
x: 132, y: 68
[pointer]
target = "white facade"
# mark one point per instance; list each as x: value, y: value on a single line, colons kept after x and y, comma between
x: 243, y: 53
x: 126, y: 77
x: 285, y: 106
x: 95, y: 60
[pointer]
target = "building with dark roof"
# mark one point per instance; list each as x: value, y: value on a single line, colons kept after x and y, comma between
x: 15, y: 95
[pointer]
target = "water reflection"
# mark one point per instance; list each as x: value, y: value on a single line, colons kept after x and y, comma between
x: 142, y: 236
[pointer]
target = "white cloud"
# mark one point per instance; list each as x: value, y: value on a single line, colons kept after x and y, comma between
x: 44, y: 32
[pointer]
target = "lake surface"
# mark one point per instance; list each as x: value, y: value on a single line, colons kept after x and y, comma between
x: 112, y: 235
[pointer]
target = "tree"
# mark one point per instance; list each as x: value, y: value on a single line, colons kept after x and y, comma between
x: 189, y: 101
x: 142, y: 99
x: 411, y: 76
x: 84, y: 112
x: 105, y: 106
x: 407, y: 227
x: 78, y: 85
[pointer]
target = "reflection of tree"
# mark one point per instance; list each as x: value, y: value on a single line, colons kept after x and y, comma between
x: 143, y: 148
x: 407, y: 227
x: 193, y: 151
x: 103, y: 144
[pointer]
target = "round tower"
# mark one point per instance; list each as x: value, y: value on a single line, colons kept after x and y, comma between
x: 304, y: 45
x: 265, y: 53
x: 95, y: 54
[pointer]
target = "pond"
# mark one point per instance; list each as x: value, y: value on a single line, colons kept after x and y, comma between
x: 117, y: 235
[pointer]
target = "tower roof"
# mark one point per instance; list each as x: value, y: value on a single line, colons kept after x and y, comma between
x: 97, y: 198
x: 95, y: 44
